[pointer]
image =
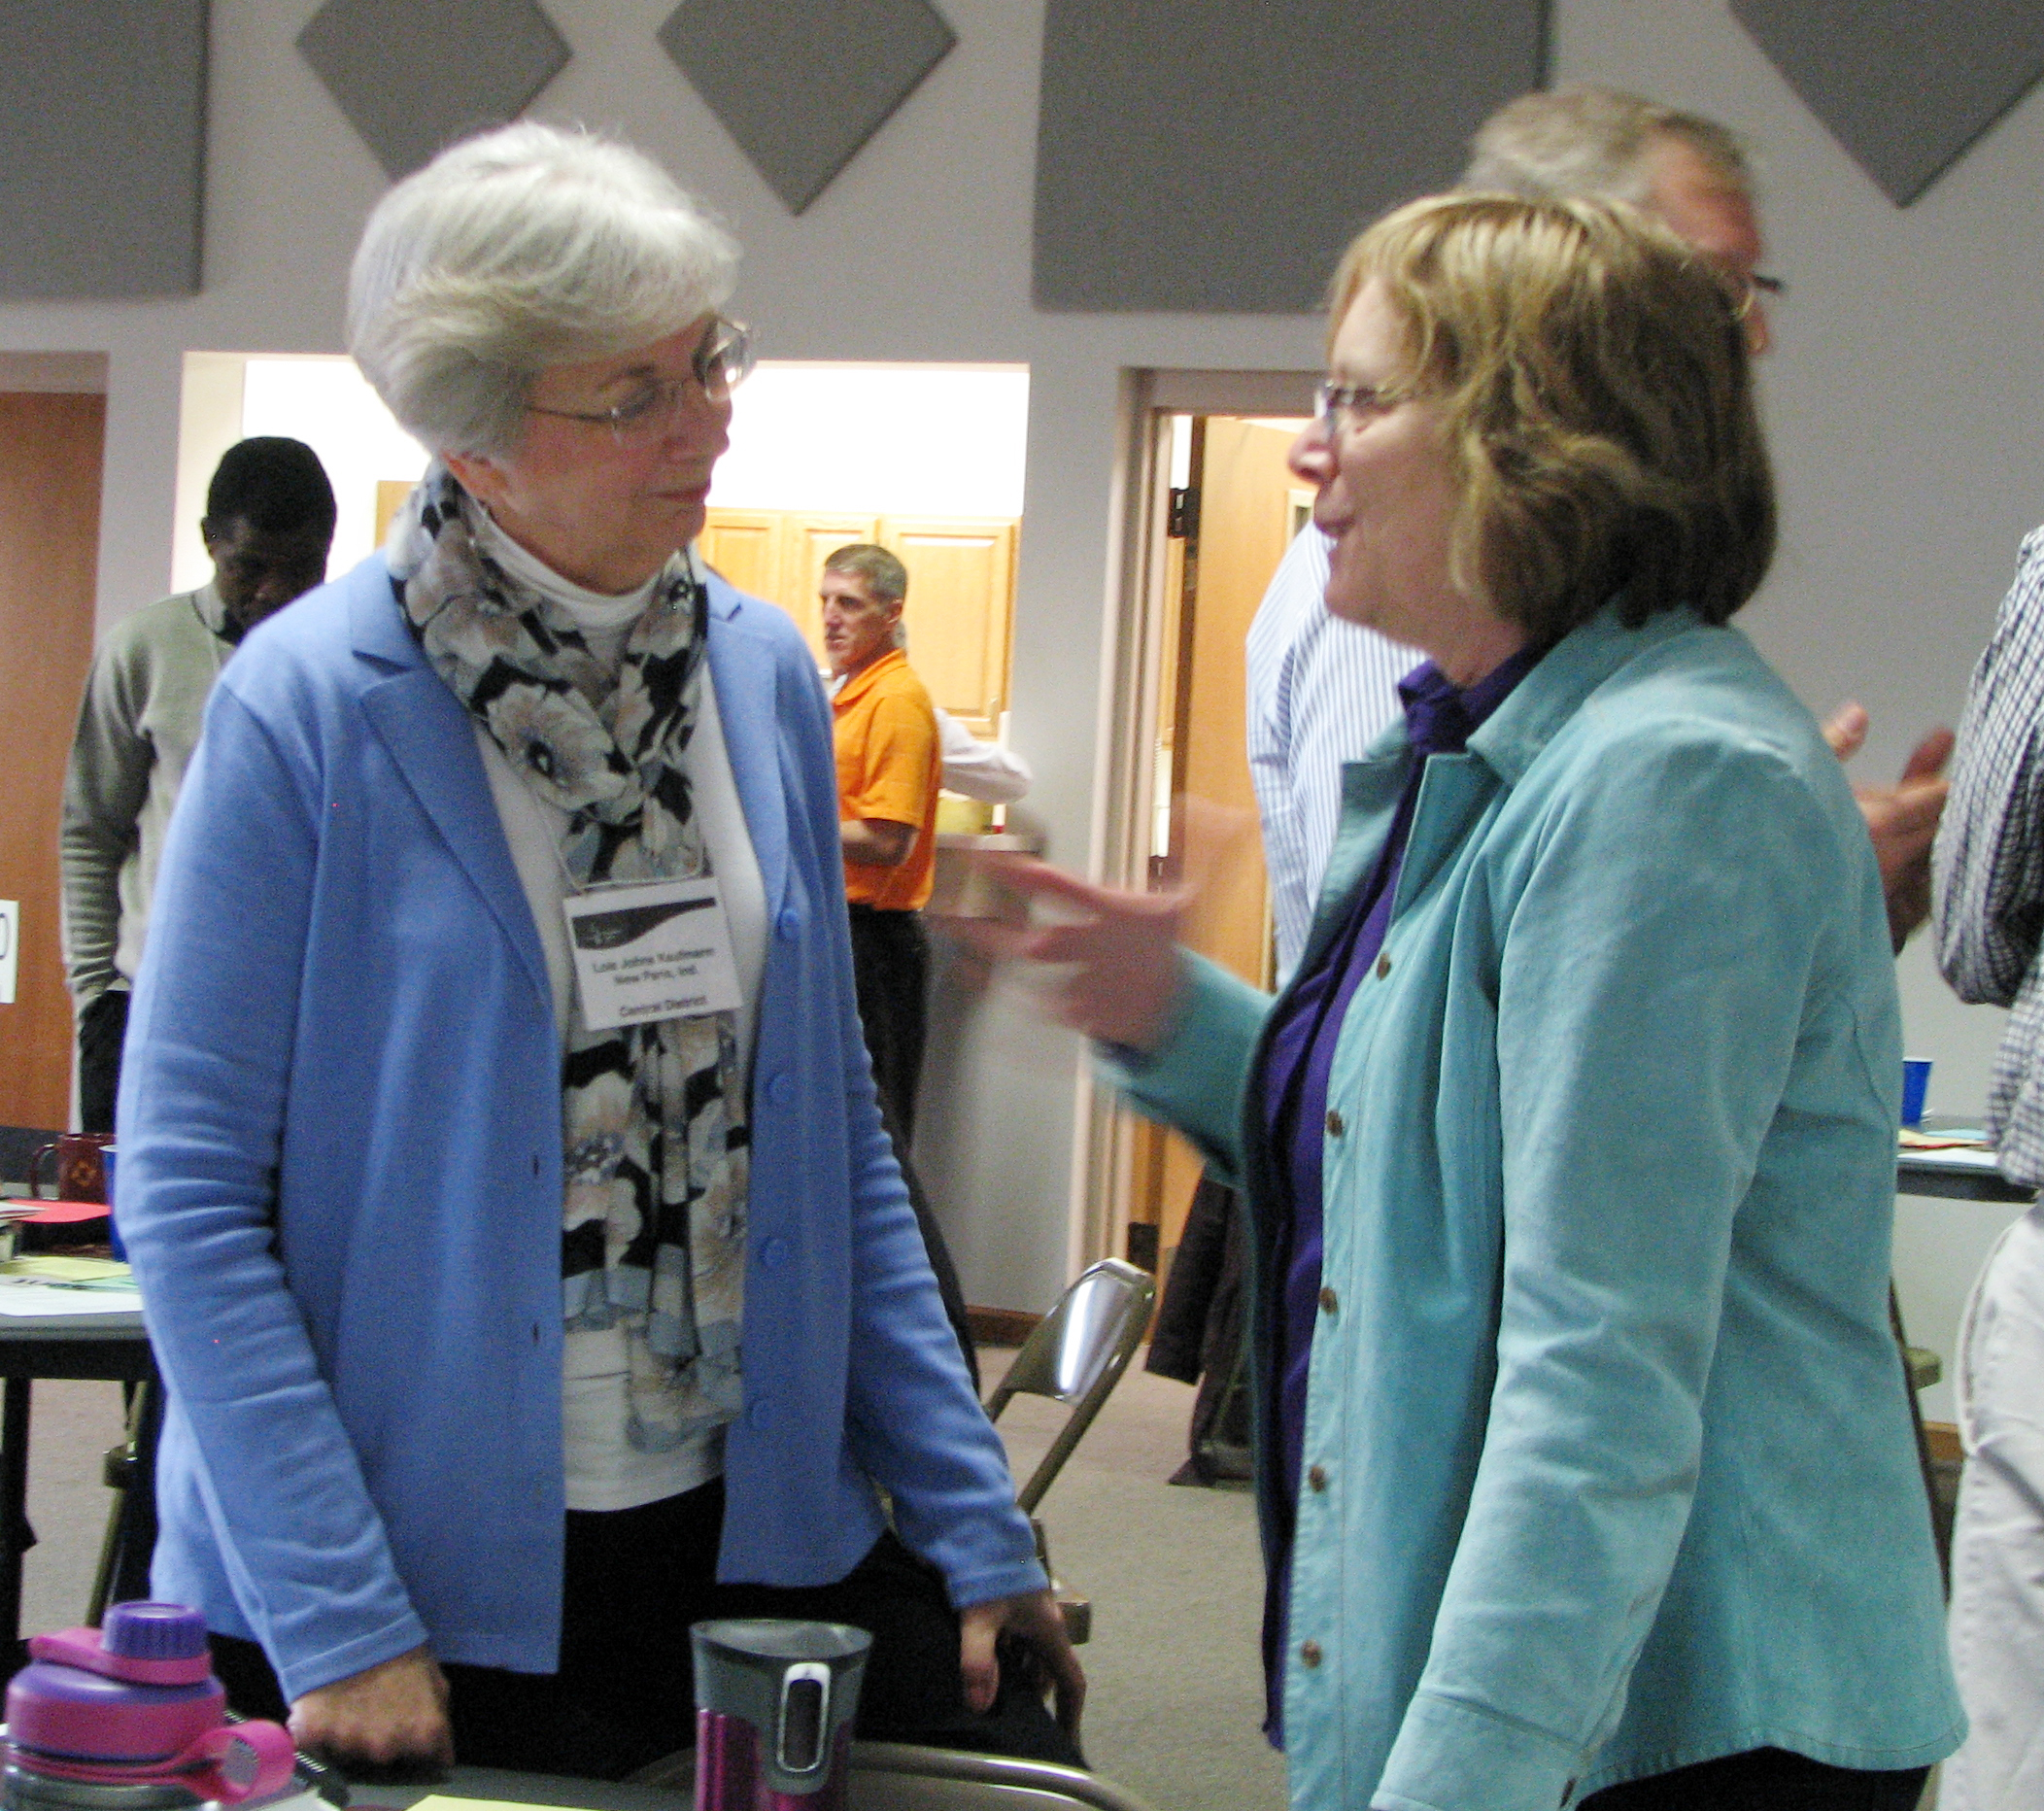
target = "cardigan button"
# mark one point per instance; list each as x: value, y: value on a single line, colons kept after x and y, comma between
x: 1316, y: 1478
x: 1330, y: 1302
x: 1336, y: 1124
x: 790, y: 923
x: 1310, y: 1653
x: 780, y: 1090
x: 760, y: 1414
x: 1383, y: 965
x: 773, y: 1253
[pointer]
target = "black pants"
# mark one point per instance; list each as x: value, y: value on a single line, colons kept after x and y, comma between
x: 1765, y: 1779
x: 891, y: 967
x: 101, y: 1027
x: 624, y: 1694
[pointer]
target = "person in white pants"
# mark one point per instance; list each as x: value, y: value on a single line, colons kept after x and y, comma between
x: 1989, y: 909
x: 1998, y: 1538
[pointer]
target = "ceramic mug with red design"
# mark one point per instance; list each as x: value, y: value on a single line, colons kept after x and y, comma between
x: 78, y: 1164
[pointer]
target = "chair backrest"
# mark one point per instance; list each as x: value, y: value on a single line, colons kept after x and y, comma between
x: 1076, y: 1355
x: 17, y: 1144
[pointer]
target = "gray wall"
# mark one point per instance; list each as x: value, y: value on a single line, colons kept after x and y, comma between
x: 1902, y: 395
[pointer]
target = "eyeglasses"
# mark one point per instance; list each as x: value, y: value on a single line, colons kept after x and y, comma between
x: 1337, y: 406
x: 1759, y: 287
x: 717, y: 367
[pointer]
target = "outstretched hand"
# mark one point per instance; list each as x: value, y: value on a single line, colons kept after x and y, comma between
x: 1034, y: 1618
x: 1902, y: 819
x: 1116, y: 951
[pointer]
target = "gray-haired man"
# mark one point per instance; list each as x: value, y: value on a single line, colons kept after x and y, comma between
x: 1319, y: 689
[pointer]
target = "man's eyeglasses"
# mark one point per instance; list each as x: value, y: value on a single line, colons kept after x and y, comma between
x: 719, y: 366
x: 1337, y: 406
x: 1761, y: 287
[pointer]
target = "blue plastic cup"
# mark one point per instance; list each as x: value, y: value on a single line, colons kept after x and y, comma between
x: 106, y: 1157
x: 1916, y: 1084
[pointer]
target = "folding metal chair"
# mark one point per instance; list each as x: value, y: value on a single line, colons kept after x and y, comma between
x: 1075, y: 1357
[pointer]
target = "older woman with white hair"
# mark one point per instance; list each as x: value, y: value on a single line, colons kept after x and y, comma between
x: 524, y: 1300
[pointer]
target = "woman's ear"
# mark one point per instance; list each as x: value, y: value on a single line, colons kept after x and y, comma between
x: 480, y: 476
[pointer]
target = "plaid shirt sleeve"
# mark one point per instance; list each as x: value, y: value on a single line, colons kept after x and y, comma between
x: 1989, y: 865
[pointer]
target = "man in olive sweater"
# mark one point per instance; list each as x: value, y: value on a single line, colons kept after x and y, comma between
x: 268, y: 528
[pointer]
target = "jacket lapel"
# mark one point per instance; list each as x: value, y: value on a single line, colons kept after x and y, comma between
x: 430, y: 739
x: 742, y: 669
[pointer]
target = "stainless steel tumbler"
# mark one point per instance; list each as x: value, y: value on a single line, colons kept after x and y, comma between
x: 774, y: 1704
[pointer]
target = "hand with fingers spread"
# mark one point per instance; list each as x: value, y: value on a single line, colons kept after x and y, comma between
x: 1033, y: 1618
x: 1118, y: 950
x: 1902, y: 819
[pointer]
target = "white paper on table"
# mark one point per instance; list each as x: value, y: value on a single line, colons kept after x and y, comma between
x: 19, y: 1297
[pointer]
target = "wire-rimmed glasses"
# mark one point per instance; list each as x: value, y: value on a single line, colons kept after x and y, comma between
x: 717, y: 367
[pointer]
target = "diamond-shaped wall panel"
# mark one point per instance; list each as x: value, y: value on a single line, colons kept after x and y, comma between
x: 1905, y: 85
x: 802, y: 84
x: 414, y: 75
x: 1214, y: 156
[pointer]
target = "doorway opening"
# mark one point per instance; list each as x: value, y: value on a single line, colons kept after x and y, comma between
x: 1219, y: 507
x: 925, y: 460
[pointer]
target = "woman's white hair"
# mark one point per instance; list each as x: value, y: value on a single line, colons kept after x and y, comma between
x: 512, y: 250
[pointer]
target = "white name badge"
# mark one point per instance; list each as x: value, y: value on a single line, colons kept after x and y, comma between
x: 657, y: 951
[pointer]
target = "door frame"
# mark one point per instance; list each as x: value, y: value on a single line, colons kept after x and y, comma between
x: 1133, y: 679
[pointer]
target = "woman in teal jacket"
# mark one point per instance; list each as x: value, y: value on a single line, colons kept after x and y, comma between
x: 1584, y: 1468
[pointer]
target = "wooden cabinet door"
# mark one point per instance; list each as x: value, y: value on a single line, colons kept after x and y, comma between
x: 809, y: 537
x: 961, y: 601
x: 744, y: 546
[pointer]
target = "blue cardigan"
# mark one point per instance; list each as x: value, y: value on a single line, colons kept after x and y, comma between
x: 340, y: 1181
x: 1611, y: 1468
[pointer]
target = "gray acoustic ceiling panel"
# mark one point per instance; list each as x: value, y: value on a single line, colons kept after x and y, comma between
x: 802, y: 84
x: 413, y: 76
x: 1905, y: 85
x: 1208, y: 156
x: 102, y: 148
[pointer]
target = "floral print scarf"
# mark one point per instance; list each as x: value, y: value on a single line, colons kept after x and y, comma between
x: 653, y: 1115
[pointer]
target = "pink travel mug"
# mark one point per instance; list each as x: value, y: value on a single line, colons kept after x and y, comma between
x: 774, y: 1706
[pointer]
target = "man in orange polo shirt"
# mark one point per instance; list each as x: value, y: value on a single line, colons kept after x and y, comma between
x: 888, y: 773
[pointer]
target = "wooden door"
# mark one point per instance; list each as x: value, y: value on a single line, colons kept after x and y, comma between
x: 961, y: 601
x: 1245, y: 523
x: 51, y: 449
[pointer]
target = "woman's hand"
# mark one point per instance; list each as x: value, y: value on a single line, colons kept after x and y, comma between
x: 1035, y: 1618
x: 1119, y: 950
x: 392, y: 1716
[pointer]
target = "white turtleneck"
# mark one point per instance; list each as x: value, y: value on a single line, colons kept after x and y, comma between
x: 603, y: 1471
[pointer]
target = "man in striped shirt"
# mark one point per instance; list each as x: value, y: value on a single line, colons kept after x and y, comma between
x: 1321, y: 690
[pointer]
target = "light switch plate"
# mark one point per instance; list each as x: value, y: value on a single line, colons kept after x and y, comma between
x: 9, y: 944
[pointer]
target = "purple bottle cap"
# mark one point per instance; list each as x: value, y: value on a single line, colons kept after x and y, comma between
x: 152, y: 1632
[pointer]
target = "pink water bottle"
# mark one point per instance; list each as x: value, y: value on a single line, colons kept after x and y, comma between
x: 774, y: 1705
x: 129, y: 1718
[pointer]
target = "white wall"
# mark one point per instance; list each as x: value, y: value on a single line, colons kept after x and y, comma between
x: 1900, y: 395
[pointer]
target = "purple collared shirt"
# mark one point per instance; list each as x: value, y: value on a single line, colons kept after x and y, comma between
x: 1440, y: 718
